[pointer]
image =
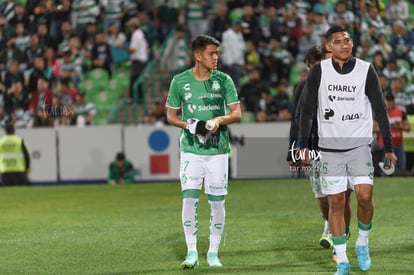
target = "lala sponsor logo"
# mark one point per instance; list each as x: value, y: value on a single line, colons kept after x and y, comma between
x: 355, y: 116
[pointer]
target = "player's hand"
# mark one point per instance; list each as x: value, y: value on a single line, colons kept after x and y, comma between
x: 391, y: 156
x: 305, y: 153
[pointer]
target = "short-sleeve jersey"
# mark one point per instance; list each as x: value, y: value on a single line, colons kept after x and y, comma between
x: 202, y: 100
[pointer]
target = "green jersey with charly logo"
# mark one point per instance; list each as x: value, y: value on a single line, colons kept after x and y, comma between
x: 202, y: 100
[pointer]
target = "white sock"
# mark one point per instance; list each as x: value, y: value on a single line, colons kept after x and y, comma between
x: 362, y: 239
x: 340, y: 250
x: 190, y: 222
x: 217, y: 220
x: 325, y: 227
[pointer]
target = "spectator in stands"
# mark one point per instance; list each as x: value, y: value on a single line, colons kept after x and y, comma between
x: 283, y: 102
x: 233, y: 47
x: 319, y: 24
x: 52, y: 63
x: 252, y: 90
x: 252, y: 57
x: 165, y: 17
x: 278, y: 62
x: 175, y: 59
x: 373, y: 19
x: 101, y: 54
x: 266, y: 108
x: 196, y: 12
x: 365, y: 50
x: 342, y: 16
x: 307, y: 41
x: 41, y: 97
x: 149, y: 29
x: 9, y: 53
x: 33, y: 50
x: 323, y: 7
x: 252, y: 32
x: 45, y: 39
x: 112, y: 12
x: 220, y: 22
x: 83, y: 12
x: 401, y: 40
x: 84, y: 111
x: 22, y: 39
x: 16, y: 103
x: 397, y: 90
x: 88, y: 35
x: 65, y: 34
x: 383, y: 46
x: 11, y: 74
x: 138, y: 50
x: 115, y: 37
x: 396, y: 10
x: 39, y: 70
x: 392, y: 70
x: 379, y: 62
x: 121, y: 170
x: 69, y: 69
x: 60, y: 11
x: 20, y: 16
x: 66, y: 93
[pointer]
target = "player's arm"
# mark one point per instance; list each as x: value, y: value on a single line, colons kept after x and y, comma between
x: 174, y: 119
x: 375, y: 95
x: 309, y: 104
x: 233, y: 116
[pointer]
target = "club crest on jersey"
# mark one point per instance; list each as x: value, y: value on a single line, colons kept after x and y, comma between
x: 215, y: 86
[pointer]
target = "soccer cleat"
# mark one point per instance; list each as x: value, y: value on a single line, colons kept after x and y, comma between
x: 213, y: 260
x: 191, y: 260
x: 364, y: 261
x: 326, y: 241
x: 342, y: 269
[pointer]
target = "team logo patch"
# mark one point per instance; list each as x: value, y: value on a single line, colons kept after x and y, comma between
x: 215, y: 86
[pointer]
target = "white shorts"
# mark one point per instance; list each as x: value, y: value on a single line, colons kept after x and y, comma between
x: 340, y: 169
x: 212, y: 169
x: 315, y: 180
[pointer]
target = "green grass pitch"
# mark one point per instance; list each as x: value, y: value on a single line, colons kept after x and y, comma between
x: 272, y: 227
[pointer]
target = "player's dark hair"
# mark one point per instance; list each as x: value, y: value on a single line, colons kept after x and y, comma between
x: 313, y: 55
x: 334, y: 29
x: 202, y: 41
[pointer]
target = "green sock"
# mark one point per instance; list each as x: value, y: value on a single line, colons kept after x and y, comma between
x: 364, y: 226
x: 339, y: 240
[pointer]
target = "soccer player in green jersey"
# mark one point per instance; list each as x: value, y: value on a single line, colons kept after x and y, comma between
x: 202, y: 101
